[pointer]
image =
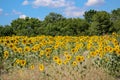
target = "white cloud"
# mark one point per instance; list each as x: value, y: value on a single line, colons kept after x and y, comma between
x: 25, y: 2
x: 6, y: 14
x: 51, y: 3
x: 39, y: 18
x: 94, y: 2
x: 16, y: 12
x: 73, y: 11
x: 22, y: 16
x: 1, y: 10
x: 68, y: 6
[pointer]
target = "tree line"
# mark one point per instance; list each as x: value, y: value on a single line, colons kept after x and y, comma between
x: 94, y: 23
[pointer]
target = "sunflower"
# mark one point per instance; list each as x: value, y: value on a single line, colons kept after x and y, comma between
x: 118, y: 52
x: 68, y: 57
x: 41, y: 67
x: 32, y: 67
x: 55, y: 58
x: 65, y: 61
x: 12, y: 41
x: 111, y: 50
x: 73, y: 50
x: 48, y: 55
x: 65, y: 53
x: 74, y: 63
x: 56, y: 46
x: 79, y: 58
x: 93, y: 54
x: 6, y: 54
x: 15, y: 49
x: 48, y: 50
x: 7, y: 41
x: 41, y: 53
x: 11, y: 45
x: 30, y: 41
x: 27, y: 49
x: 23, y: 62
x: 2, y: 41
x: 24, y: 41
x: 34, y: 49
x: 105, y: 49
x: 17, y: 61
x: 59, y: 62
x: 116, y: 48
x: 20, y: 50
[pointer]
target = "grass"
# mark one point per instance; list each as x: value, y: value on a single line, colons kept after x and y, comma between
x: 87, y: 71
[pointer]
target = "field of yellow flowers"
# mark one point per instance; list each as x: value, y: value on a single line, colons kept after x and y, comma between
x: 59, y: 57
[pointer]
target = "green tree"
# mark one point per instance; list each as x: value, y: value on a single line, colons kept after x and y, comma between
x: 115, y: 14
x: 116, y: 27
x: 74, y: 26
x: 50, y: 25
x: 21, y: 26
x: 89, y: 14
x: 101, y: 23
x: 53, y: 17
x: 6, y: 31
x: 115, y: 18
x: 1, y: 29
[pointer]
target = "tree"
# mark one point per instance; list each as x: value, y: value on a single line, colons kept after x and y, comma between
x: 89, y: 14
x: 115, y: 18
x: 101, y: 23
x: 28, y: 24
x: 53, y: 17
x: 74, y: 26
x: 115, y: 15
x: 1, y: 29
x: 6, y: 31
x: 116, y: 27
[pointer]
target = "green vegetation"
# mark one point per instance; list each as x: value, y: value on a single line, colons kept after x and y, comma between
x: 76, y: 48
x: 93, y: 23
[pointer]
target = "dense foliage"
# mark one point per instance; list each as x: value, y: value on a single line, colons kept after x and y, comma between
x: 94, y: 23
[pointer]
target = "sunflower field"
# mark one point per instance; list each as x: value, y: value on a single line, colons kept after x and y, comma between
x: 59, y: 57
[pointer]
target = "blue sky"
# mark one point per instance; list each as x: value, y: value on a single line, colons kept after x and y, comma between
x: 13, y: 9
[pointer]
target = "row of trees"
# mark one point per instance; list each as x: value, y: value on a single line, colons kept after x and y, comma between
x: 94, y: 23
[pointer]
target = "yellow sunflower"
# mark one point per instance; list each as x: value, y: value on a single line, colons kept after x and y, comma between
x: 41, y: 67
x: 6, y: 54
